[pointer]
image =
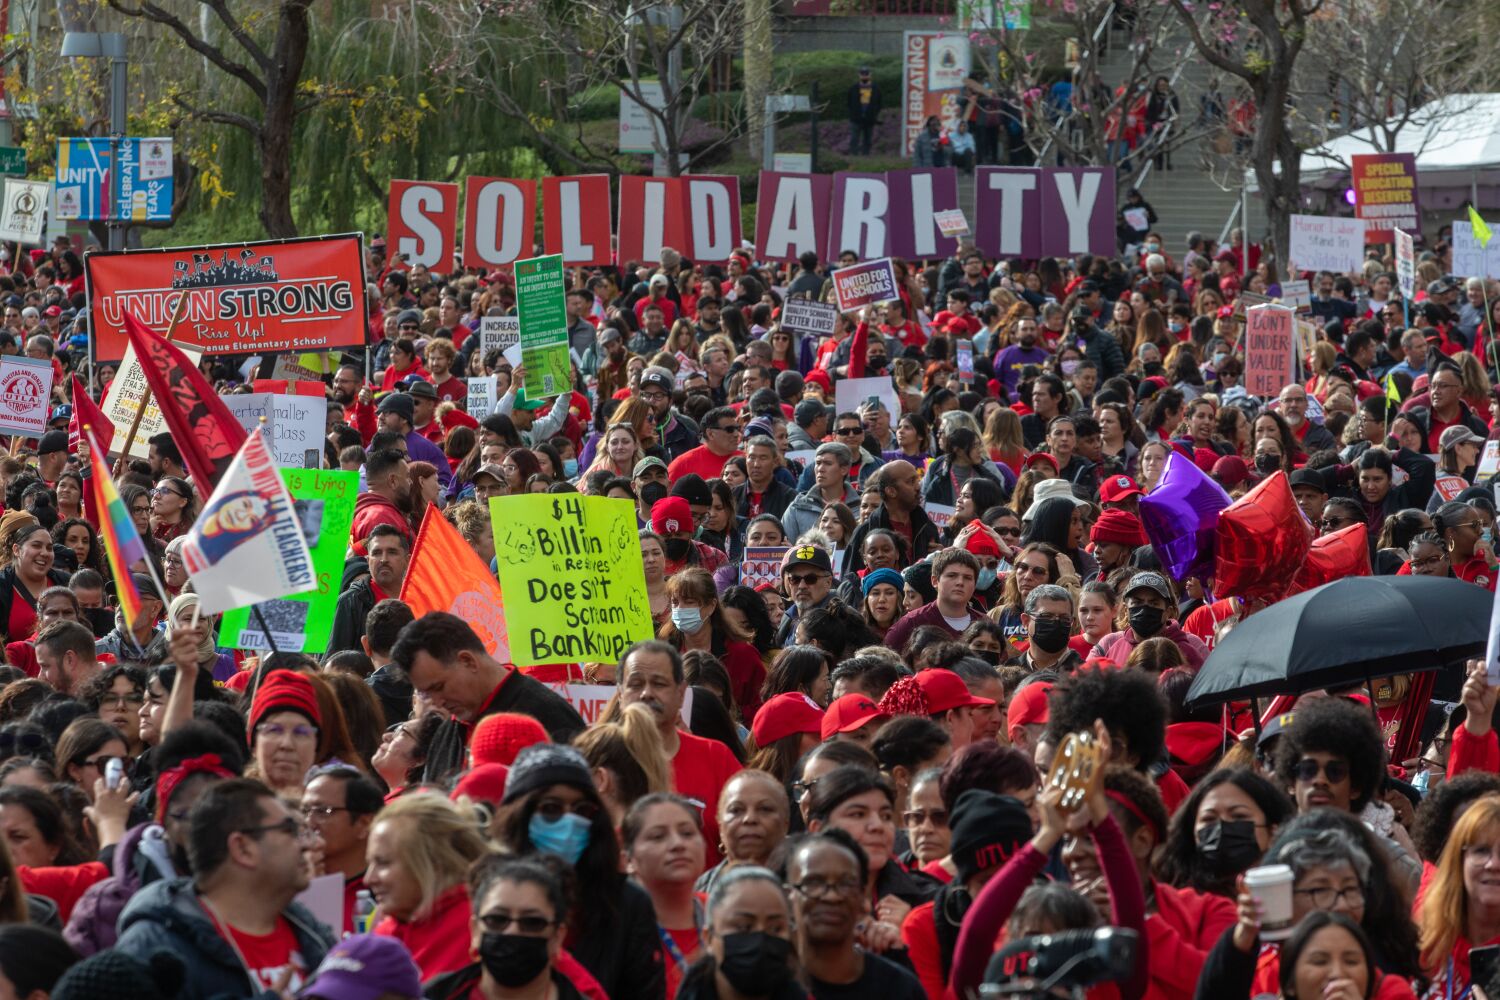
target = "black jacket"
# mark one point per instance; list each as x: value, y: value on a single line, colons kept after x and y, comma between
x: 1101, y: 347
x: 924, y: 535
x: 937, y: 485
x: 517, y: 693
x: 349, y: 617
x: 458, y: 985
x: 864, y: 113
x: 776, y: 499
x: 627, y: 962
x: 678, y: 434
x: 394, y: 691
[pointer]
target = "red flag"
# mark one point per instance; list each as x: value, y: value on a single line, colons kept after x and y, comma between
x: 445, y: 574
x: 86, y: 412
x: 207, y: 434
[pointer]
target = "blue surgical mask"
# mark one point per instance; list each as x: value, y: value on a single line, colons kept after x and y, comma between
x: 1486, y: 536
x: 687, y: 620
x: 570, y: 467
x: 567, y: 836
x: 1420, y: 779
x: 1219, y: 358
x: 987, y: 577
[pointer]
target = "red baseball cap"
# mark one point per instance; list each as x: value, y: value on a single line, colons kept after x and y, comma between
x: 1041, y: 456
x: 1117, y: 488
x: 785, y: 714
x: 1028, y: 705
x: 849, y: 713
x: 944, y: 690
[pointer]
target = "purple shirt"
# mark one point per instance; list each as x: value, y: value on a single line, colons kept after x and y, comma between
x: 1009, y: 362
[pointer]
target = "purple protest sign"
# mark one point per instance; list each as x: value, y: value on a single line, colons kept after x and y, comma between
x: 864, y: 284
x: 857, y: 215
x: 915, y: 195
x: 1078, y: 211
x: 791, y: 214
x: 1008, y: 211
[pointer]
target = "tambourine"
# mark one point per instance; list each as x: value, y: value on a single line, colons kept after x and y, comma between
x: 1077, y: 769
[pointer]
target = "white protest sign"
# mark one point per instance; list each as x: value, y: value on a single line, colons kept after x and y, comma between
x: 1406, y: 264
x: 1326, y: 243
x: 297, y: 425
x: 1469, y: 258
x: 806, y: 316
x: 1489, y: 462
x: 1137, y: 219
x: 852, y: 393
x: 324, y: 899
x: 123, y: 401
x: 23, y: 210
x: 496, y: 333
x: 951, y: 222
x: 591, y: 701
x: 1297, y: 294
x: 481, y: 401
x: 25, y: 388
x: 940, y: 514
x: 1492, y: 651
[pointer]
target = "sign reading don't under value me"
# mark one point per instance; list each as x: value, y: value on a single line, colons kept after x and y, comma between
x: 571, y: 574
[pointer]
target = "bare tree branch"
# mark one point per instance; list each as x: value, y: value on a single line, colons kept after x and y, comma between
x: 239, y: 34
x: 151, y: 12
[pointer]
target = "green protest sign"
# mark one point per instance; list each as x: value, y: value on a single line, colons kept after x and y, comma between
x: 541, y: 306
x: 324, y: 501
x: 12, y: 161
x: 570, y: 570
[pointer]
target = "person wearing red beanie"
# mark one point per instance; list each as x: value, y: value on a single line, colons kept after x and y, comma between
x: 283, y: 730
x: 1115, y: 536
x: 499, y: 737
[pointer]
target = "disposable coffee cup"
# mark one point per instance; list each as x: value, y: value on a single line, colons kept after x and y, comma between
x: 1271, y: 885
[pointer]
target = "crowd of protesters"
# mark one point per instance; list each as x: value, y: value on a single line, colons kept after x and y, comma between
x: 823, y: 782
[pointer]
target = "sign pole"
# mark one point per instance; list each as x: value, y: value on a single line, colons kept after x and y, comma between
x: 135, y: 423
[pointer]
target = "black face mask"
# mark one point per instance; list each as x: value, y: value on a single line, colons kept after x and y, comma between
x: 990, y: 656
x: 513, y: 959
x: 1267, y: 463
x: 1145, y: 621
x: 677, y: 549
x: 1050, y: 635
x: 755, y: 963
x: 875, y: 364
x: 1229, y: 846
x: 1154, y: 368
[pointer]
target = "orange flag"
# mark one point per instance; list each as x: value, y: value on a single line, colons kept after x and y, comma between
x: 445, y: 574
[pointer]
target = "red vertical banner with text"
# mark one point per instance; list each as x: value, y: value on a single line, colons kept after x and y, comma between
x: 422, y: 223
x: 499, y: 221
x: 576, y: 219
x: 650, y: 217
x: 791, y: 214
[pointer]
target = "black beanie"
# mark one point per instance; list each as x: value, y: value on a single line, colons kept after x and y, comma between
x: 987, y: 829
x: 693, y: 489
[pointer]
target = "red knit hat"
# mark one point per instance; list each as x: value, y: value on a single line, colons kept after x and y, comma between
x: 482, y: 783
x: 1120, y: 527
x: 283, y: 691
x: 499, y: 737
x: 670, y: 515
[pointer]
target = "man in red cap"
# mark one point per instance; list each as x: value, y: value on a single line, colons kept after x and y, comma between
x: 1121, y: 493
x: 1026, y: 715
x: 1116, y: 536
x: 672, y: 519
x: 955, y: 572
x: 950, y: 704
x: 853, y: 717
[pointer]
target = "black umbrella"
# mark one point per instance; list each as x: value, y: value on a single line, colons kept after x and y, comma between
x: 1345, y: 632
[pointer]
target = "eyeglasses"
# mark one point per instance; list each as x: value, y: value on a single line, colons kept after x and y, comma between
x: 499, y: 923
x: 1335, y: 522
x: 1307, y: 769
x: 805, y: 579
x: 276, y: 731
x: 653, y: 397
x: 553, y: 810
x: 801, y: 788
x: 322, y: 812
x: 1480, y: 854
x: 1009, y: 532
x: 102, y: 762
x: 121, y: 700
x: 1431, y: 562
x: 164, y: 492
x: 916, y: 817
x: 820, y: 888
x: 1435, y: 386
x: 1327, y: 897
x: 726, y: 429
x: 140, y: 508
x: 847, y: 431
x: 1026, y: 569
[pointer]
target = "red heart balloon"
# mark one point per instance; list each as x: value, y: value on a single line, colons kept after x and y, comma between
x: 1262, y: 540
x: 1346, y: 552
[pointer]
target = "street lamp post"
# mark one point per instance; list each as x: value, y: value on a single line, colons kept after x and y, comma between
x: 107, y: 45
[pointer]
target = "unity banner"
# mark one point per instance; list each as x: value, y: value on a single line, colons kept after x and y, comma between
x: 243, y: 298
x: 323, y: 500
x: 248, y: 545
x: 571, y: 572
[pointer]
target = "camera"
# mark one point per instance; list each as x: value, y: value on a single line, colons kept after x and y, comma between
x: 1061, y: 964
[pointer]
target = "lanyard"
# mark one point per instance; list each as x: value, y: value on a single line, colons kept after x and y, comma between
x: 669, y: 943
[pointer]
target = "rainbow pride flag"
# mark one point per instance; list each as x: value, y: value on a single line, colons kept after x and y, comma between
x: 117, y: 532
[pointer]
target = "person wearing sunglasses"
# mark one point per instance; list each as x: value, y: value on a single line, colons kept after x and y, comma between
x: 233, y: 924
x: 1331, y: 756
x: 517, y: 929
x: 84, y: 750
x: 551, y: 806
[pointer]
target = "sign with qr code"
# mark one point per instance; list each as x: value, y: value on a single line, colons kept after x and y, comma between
x: 541, y: 307
x: 323, y: 500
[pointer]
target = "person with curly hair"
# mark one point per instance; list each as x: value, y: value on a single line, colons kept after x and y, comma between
x: 1131, y: 708
x: 1332, y: 755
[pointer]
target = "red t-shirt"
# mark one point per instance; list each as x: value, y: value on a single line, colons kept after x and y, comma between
x: 268, y: 955
x: 452, y: 389
x: 700, y: 460
x: 699, y: 772
x: 1475, y: 570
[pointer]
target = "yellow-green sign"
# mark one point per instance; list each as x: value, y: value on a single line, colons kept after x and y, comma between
x: 571, y: 574
x: 541, y: 307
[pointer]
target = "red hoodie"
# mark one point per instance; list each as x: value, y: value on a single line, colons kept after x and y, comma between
x: 1182, y: 931
x: 371, y: 509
